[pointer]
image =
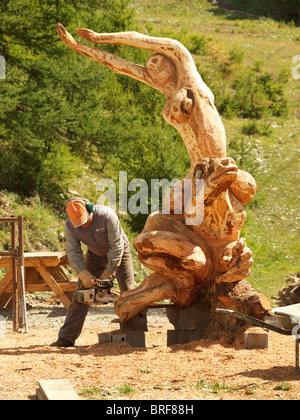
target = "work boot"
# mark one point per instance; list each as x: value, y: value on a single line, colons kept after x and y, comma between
x: 61, y: 342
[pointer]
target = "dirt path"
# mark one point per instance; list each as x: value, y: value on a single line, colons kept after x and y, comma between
x: 196, y: 371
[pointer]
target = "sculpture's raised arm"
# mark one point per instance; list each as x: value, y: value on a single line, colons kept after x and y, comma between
x: 116, y: 64
x: 187, y: 74
x: 166, y: 46
x: 171, y: 70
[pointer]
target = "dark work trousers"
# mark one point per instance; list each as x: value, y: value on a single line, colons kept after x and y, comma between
x: 77, y: 311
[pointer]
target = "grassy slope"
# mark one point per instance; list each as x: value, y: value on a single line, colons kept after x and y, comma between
x: 272, y: 226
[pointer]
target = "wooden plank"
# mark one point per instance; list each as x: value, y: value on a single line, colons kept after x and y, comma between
x: 30, y: 263
x: 9, y: 219
x: 5, y: 262
x: 45, y: 255
x: 56, y: 389
x: 5, y: 281
x: 5, y: 297
x: 43, y: 287
x: 48, y: 258
x: 40, y: 255
x: 55, y: 287
x: 6, y: 300
x: 32, y: 276
x: 59, y: 274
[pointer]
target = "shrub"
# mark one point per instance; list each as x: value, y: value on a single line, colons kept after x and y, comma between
x: 252, y: 127
x: 58, y: 167
x: 252, y: 96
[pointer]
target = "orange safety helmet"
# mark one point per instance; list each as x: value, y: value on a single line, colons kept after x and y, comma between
x: 78, y: 210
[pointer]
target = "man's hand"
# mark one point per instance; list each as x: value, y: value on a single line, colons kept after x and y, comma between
x: 106, y: 275
x: 87, y: 279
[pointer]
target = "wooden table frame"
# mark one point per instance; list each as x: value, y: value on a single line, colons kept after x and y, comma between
x: 43, y: 272
x: 16, y: 258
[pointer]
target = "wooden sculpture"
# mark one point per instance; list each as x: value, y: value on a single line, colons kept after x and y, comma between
x: 208, y: 259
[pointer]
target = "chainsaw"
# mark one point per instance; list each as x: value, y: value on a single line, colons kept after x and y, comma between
x: 100, y: 294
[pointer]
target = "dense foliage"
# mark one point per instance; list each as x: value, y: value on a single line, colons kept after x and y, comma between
x: 59, y: 109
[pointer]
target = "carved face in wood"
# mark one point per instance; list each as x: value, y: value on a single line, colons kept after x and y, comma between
x: 161, y: 69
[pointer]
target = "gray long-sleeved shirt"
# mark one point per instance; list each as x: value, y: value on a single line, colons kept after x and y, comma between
x: 104, y: 237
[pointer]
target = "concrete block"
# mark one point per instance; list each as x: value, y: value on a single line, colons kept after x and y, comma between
x: 258, y: 339
x: 104, y: 338
x: 56, y: 389
x: 184, y: 336
x: 135, y: 339
x: 118, y: 337
x: 189, y: 318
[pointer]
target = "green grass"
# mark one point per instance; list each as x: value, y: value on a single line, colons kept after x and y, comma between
x: 124, y: 389
x: 144, y: 369
x: 283, y: 386
x: 214, y: 387
x: 43, y: 229
x: 268, y: 147
x: 272, y: 225
x: 95, y: 393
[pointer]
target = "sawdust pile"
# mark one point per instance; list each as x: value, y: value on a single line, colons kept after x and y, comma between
x: 199, y: 370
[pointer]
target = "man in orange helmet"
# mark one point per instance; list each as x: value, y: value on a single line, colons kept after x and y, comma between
x: 108, y: 257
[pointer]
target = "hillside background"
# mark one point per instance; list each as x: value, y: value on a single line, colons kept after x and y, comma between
x: 66, y: 122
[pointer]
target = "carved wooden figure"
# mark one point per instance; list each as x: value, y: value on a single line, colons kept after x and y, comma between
x: 188, y: 259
